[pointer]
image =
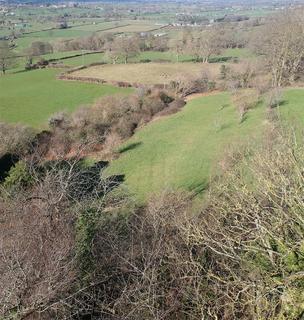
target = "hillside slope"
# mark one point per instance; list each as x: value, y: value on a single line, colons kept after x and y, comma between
x: 182, y: 151
x: 179, y: 151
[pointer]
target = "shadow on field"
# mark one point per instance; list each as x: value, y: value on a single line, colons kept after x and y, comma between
x: 130, y: 147
x: 283, y: 103
x: 23, y: 71
x: 198, y: 187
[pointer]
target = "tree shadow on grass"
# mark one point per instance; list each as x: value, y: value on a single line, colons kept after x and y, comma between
x: 130, y: 147
x: 243, y: 119
x: 198, y: 187
x: 283, y: 103
x: 23, y: 71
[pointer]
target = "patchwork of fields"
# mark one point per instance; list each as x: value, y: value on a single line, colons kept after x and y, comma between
x: 85, y: 29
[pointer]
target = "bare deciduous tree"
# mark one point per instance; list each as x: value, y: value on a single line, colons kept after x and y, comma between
x: 204, y: 44
x: 123, y: 47
x: 281, y: 41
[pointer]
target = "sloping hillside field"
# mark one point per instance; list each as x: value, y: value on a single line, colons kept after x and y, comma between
x: 181, y: 151
x: 178, y: 151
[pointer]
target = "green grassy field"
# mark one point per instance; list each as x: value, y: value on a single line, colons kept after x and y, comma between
x: 292, y: 108
x: 49, y: 36
x: 237, y: 53
x: 85, y: 59
x: 77, y: 31
x: 147, y: 55
x: 154, y: 56
x: 31, y: 97
x: 21, y: 62
x: 180, y: 151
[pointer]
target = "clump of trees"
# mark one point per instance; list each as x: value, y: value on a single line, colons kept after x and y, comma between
x: 281, y: 42
x: 39, y: 48
x: 199, y: 44
x: 109, y: 42
x: 123, y: 47
x: 185, y: 85
x: 244, y: 74
x: 205, y: 44
x: 44, y: 233
x: 109, y: 120
x: 94, y: 42
x: 15, y: 138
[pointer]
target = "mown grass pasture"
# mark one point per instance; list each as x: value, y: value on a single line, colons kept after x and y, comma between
x: 31, y: 97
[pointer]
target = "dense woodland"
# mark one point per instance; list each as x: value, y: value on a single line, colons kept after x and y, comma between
x: 75, y: 242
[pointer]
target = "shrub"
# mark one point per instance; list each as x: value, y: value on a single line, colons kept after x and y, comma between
x: 58, y: 120
x: 19, y: 176
x: 113, y: 115
x: 15, y: 138
x: 254, y: 228
x: 165, y: 98
x: 126, y: 126
x: 211, y: 85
